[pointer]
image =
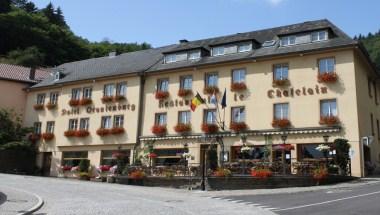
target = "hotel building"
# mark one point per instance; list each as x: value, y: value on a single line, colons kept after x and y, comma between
x: 303, y: 81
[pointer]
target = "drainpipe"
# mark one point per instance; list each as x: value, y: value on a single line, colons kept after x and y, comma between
x: 140, y: 110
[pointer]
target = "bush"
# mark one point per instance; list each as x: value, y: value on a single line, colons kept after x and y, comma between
x: 84, y: 165
x: 342, y: 148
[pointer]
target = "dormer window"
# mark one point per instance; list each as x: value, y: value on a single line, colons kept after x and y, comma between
x: 57, y: 76
x: 319, y: 36
x: 194, y: 55
x: 182, y: 56
x: 245, y: 47
x: 231, y: 49
x: 288, y: 40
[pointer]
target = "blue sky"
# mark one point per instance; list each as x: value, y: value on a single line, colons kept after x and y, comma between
x: 162, y: 22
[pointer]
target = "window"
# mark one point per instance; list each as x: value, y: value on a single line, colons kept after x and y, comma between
x: 73, y: 124
x: 57, y: 76
x: 212, y: 80
x: 280, y: 71
x: 121, y: 89
x: 309, y: 151
x: 118, y: 121
x: 53, y: 98
x: 184, y: 117
x: 186, y: 82
x: 107, y: 159
x: 318, y: 36
x: 238, y: 114
x: 281, y: 111
x: 160, y: 119
x: 163, y: 85
x: 87, y: 92
x: 106, y: 122
x: 40, y: 99
x: 378, y: 129
x: 256, y: 152
x: 372, y: 127
x: 375, y: 90
x: 288, y: 40
x: 167, y: 157
x: 238, y: 75
x: 170, y: 58
x: 369, y: 87
x: 108, y: 89
x: 269, y: 43
x: 326, y: 65
x: 210, y: 116
x: 50, y: 127
x: 73, y: 158
x: 37, y: 127
x: 84, y: 124
x: 194, y: 55
x: 216, y: 51
x: 328, y: 108
x: 245, y: 47
x: 75, y: 94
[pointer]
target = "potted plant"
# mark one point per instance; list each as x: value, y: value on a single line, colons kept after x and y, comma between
x: 85, y: 101
x: 103, y: 132
x: 69, y: 133
x: 222, y: 172
x: 327, y: 77
x: 38, y: 107
x: 280, y: 123
x: 120, y: 98
x: 182, y: 128
x: 51, y: 106
x: 82, y: 133
x: 238, y: 126
x: 329, y: 120
x: 159, y: 130
x: 136, y: 175
x: 209, y: 128
x: 34, y: 137
x: 160, y: 95
x: 106, y: 99
x: 280, y: 82
x: 47, y: 136
x: 74, y: 102
x: 209, y: 90
x: 117, y: 130
x: 320, y: 173
x: 184, y: 92
x: 238, y: 87
x: 262, y: 172
x: 84, y: 166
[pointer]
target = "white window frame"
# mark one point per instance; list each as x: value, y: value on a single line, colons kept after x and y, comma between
x: 73, y: 124
x: 54, y: 98
x: 161, y: 119
x: 281, y: 67
x: 331, y: 111
x: 241, y: 75
x: 84, y: 124
x: 170, y: 58
x: 75, y: 93
x: 210, y: 116
x: 247, y: 49
x: 209, y: 75
x: 106, y: 122
x: 288, y: 39
x: 185, y: 81
x: 109, y: 89
x: 184, y: 117
x: 50, y: 127
x: 194, y: 55
x: 37, y: 127
x: 163, y: 84
x: 87, y: 92
x: 283, y: 114
x: 121, y: 88
x: 218, y: 51
x: 238, y: 114
x: 118, y: 121
x: 41, y: 98
x: 317, y: 36
x: 326, y: 65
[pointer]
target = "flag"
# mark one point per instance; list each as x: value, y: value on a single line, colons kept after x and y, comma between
x: 224, y: 100
x: 196, y: 101
x: 213, y: 99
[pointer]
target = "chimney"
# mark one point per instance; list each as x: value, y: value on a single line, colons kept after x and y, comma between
x: 32, y: 73
x: 183, y: 41
x: 112, y: 54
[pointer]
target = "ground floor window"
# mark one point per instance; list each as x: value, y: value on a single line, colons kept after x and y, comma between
x: 73, y: 158
x: 256, y: 153
x: 107, y: 159
x: 309, y: 152
x: 167, y: 157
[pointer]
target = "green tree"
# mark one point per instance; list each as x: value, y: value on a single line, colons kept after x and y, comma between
x: 29, y: 7
x: 11, y: 129
x: 29, y: 57
x: 5, y: 6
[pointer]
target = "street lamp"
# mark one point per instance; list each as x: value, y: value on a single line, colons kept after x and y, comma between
x: 283, y: 138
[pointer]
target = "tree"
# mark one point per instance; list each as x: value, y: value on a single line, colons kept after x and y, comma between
x: 5, y: 6
x: 29, y: 7
x: 30, y: 57
x: 59, y: 18
x: 342, y: 148
x: 11, y: 129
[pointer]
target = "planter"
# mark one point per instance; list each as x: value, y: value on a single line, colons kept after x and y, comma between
x: 34, y: 137
x: 280, y: 83
x: 209, y: 128
x: 106, y: 99
x: 117, y: 131
x: 82, y: 133
x: 280, y: 123
x: 159, y: 130
x: 161, y: 95
x: 182, y: 128
x: 103, y: 132
x: 51, y: 106
x: 38, y: 107
x: 85, y: 101
x: 209, y: 90
x: 74, y: 102
x: 47, y: 136
x: 327, y: 77
x: 184, y: 92
x: 238, y: 126
x: 69, y: 133
x: 261, y: 173
x: 329, y: 120
x: 238, y: 86
x: 136, y: 175
x: 120, y: 98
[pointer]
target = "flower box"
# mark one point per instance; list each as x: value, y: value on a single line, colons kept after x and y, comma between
x: 106, y: 99
x: 182, y: 128
x: 70, y: 133
x: 38, y: 107
x: 280, y: 123
x: 51, y: 106
x: 238, y: 126
x: 103, y: 132
x: 209, y: 128
x: 161, y: 95
x: 159, y: 130
x: 120, y: 98
x: 222, y: 172
x: 85, y: 101
x: 329, y: 120
x: 47, y: 136
x: 82, y: 133
x: 34, y: 137
x: 184, y: 92
x: 327, y: 77
x: 137, y: 174
x: 74, y: 102
x: 209, y: 90
x: 280, y: 83
x: 117, y: 130
x: 238, y: 86
x: 261, y: 173
x: 104, y: 168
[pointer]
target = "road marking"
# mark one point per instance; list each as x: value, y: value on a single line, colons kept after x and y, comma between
x: 327, y: 202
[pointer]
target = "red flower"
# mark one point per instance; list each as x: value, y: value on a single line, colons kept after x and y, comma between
x: 120, y: 98
x: 66, y: 168
x: 182, y: 128
x: 184, y: 92
x: 106, y: 99
x: 161, y: 94
x: 209, y: 128
x: 261, y: 173
x: 85, y: 101
x: 47, y: 136
x: 152, y: 155
x: 280, y: 123
x: 51, y: 106
x: 238, y: 86
x: 104, y: 168
x: 159, y: 130
x: 328, y: 77
x: 34, y: 137
x: 38, y: 107
x: 82, y: 133
x: 74, y: 102
x: 69, y: 133
x: 210, y: 90
x: 137, y: 174
x: 238, y: 126
x: 328, y: 120
x: 282, y: 82
x: 103, y: 132
x: 117, y: 130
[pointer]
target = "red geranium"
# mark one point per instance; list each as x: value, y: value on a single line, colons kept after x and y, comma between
x: 66, y: 168
x: 69, y: 133
x: 209, y: 128
x: 51, y: 106
x: 159, y: 129
x: 238, y: 86
x: 238, y: 126
x: 117, y: 130
x: 328, y: 77
x: 47, y: 136
x: 161, y: 94
x: 82, y: 133
x: 184, y: 92
x: 279, y: 82
x: 152, y: 155
x: 104, y: 168
x: 261, y: 173
x: 280, y: 123
x: 182, y: 128
x: 106, y: 99
x: 328, y: 120
x: 137, y: 174
x: 103, y: 132
x: 74, y: 102
x: 210, y: 90
x: 120, y: 98
x: 85, y: 101
x: 38, y: 107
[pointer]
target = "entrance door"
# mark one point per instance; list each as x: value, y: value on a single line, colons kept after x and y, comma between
x: 203, y: 165
x: 46, y: 163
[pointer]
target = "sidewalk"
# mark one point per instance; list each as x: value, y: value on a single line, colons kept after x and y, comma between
x: 14, y: 201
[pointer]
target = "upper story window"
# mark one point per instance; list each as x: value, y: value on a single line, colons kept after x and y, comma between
x: 160, y: 119
x: 212, y: 79
x: 121, y: 89
x: 238, y: 76
x: 75, y: 94
x: 186, y: 82
x: 369, y: 87
x: 326, y: 65
x: 280, y: 71
x: 163, y: 85
x: 319, y: 36
x: 57, y: 76
x: 288, y: 40
x: 238, y: 114
x: 231, y: 48
x: 328, y: 108
x: 194, y: 55
x: 41, y: 99
x: 53, y: 98
x: 184, y: 117
x: 73, y: 124
x: 106, y: 122
x: 210, y: 116
x: 50, y: 127
x: 245, y: 47
x: 216, y: 51
x: 170, y: 58
x: 37, y: 127
x: 281, y: 111
x: 87, y: 92
x: 118, y: 121
x: 108, y: 89
x: 182, y: 56
x: 84, y: 123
